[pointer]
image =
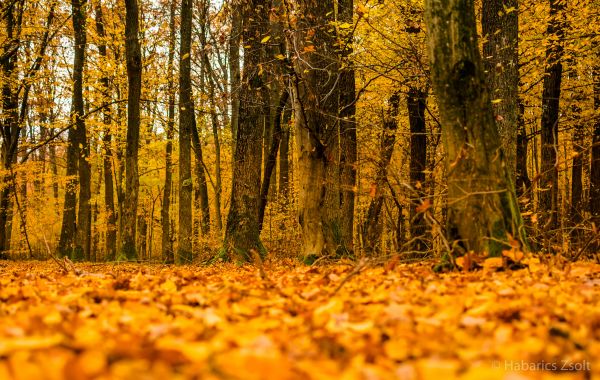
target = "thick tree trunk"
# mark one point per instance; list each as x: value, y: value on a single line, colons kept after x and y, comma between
x: 316, y: 108
x: 483, y: 214
x: 84, y: 217
x: 242, y: 231
x: 10, y: 123
x: 134, y: 78
x: 109, y: 188
x: 348, y: 127
x: 186, y: 123
x: 500, y: 26
x: 418, y: 165
x: 234, y: 66
x: 548, y: 185
x: 372, y: 226
x: 165, y: 212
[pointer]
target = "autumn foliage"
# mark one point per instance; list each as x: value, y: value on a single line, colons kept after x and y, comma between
x: 282, y: 320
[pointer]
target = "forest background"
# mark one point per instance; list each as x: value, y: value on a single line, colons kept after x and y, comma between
x: 78, y: 179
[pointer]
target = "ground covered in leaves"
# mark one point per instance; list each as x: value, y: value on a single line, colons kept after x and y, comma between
x: 285, y: 320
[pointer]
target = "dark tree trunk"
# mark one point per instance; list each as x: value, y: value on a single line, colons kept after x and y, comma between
x: 142, y: 236
x: 202, y: 196
x: 165, y: 213
x: 348, y: 127
x: 234, y: 66
x: 483, y: 214
x: 134, y: 79
x: 84, y: 217
x: 242, y: 231
x: 109, y: 188
x: 577, y: 165
x: 523, y: 183
x: 68, y: 227
x: 372, y: 226
x: 271, y: 158
x: 500, y: 26
x: 186, y: 123
x: 10, y: 123
x: 548, y: 185
x: 418, y: 165
x: 284, y: 151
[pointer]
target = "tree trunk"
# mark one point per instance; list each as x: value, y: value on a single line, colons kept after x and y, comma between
x: 548, y: 185
x: 242, y: 231
x: 523, y: 183
x: 134, y: 78
x: 165, y: 214
x: 271, y: 158
x: 372, y: 226
x: 186, y: 123
x: 10, y: 122
x: 418, y: 165
x: 316, y: 107
x: 595, y: 165
x: 284, y: 151
x: 348, y: 126
x: 500, y: 26
x: 84, y: 217
x: 234, y: 66
x: 109, y: 188
x: 202, y: 196
x: 483, y: 214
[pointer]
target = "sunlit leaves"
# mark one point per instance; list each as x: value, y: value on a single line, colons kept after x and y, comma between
x: 134, y: 321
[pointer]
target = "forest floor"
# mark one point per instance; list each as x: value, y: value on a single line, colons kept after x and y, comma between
x: 284, y: 320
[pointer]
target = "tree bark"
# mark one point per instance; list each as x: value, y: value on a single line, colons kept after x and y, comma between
x: 418, y: 165
x: 202, y: 195
x: 523, y: 183
x: 548, y: 185
x: 84, y: 215
x: 284, y: 151
x: 316, y: 110
x: 483, y: 214
x: 372, y: 227
x: 242, y: 230
x: 500, y: 26
x: 234, y: 66
x: 271, y: 158
x: 165, y: 212
x: 10, y: 123
x: 595, y: 164
x: 186, y: 123
x: 348, y: 127
x: 134, y: 79
x: 109, y: 188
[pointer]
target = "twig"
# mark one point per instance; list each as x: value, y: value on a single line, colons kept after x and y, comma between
x: 362, y: 264
x: 53, y: 257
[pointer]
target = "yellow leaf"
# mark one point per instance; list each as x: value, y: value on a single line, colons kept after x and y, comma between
x: 265, y: 39
x: 493, y: 263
